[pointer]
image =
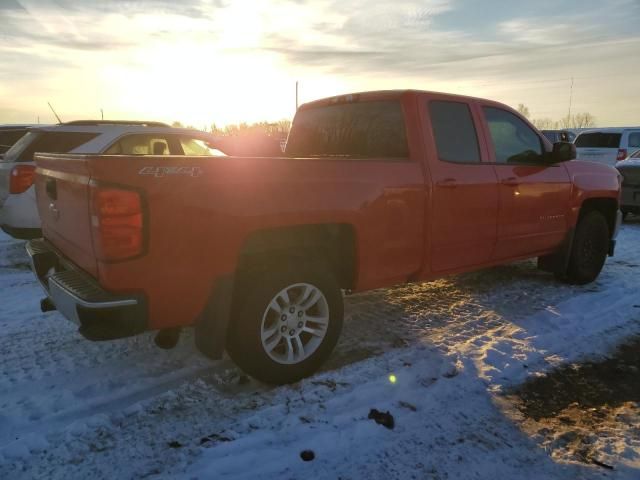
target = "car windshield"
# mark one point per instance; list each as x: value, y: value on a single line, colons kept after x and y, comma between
x: 198, y: 147
x: 598, y: 140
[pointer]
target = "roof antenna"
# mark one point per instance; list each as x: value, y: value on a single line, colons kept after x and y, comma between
x: 54, y: 112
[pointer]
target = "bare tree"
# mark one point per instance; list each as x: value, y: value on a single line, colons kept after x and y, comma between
x: 583, y: 120
x: 577, y: 120
x: 545, y: 124
x: 524, y: 110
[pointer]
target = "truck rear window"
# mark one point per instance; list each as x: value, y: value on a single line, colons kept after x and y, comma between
x: 50, y: 142
x: 361, y: 130
x: 598, y: 140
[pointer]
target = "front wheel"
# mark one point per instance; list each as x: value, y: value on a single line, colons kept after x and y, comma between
x: 286, y: 322
x: 589, y: 250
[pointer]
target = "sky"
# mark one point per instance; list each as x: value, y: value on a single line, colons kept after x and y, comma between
x: 227, y: 61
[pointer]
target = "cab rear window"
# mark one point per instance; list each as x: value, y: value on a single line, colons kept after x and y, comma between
x: 53, y: 142
x: 598, y: 140
x: 352, y: 130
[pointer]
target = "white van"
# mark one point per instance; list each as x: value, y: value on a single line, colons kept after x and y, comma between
x: 607, y: 145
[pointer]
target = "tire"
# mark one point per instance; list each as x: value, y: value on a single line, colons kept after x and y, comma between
x: 312, y: 317
x: 589, y: 250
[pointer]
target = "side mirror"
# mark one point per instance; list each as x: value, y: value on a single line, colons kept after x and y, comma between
x: 563, y: 151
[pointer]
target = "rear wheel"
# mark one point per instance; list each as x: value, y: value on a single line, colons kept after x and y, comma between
x: 286, y: 323
x: 589, y: 250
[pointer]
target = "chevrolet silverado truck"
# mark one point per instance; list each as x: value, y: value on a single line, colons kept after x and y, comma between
x: 373, y: 189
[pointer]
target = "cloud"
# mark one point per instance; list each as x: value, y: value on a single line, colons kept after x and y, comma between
x: 453, y: 44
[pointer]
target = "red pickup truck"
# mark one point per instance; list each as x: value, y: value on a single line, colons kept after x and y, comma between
x: 374, y: 189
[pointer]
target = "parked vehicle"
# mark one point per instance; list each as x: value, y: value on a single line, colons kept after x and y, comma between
x: 18, y: 212
x: 630, y: 171
x: 607, y: 145
x: 10, y: 134
x: 375, y: 189
x: 555, y: 136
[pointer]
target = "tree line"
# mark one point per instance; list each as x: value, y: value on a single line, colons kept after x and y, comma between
x: 576, y: 120
x: 279, y: 128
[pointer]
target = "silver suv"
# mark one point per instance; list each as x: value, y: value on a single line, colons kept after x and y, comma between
x: 18, y: 211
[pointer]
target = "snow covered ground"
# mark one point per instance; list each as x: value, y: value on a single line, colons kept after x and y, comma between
x: 438, y: 356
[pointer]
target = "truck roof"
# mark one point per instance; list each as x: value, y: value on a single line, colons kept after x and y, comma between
x: 383, y: 95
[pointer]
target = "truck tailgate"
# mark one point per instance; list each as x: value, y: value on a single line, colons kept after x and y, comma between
x: 62, y: 189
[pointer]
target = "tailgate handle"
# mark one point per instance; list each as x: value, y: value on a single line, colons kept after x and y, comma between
x: 51, y: 188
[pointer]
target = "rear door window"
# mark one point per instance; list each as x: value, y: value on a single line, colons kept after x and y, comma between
x: 9, y: 137
x: 352, y: 130
x: 514, y: 142
x: 52, y: 142
x: 598, y: 140
x: 454, y: 132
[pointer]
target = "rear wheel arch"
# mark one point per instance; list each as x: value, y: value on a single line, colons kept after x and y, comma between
x: 331, y: 247
x: 333, y: 244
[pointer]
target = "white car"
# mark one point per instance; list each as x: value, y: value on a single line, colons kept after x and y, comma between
x: 607, y: 145
x: 18, y: 211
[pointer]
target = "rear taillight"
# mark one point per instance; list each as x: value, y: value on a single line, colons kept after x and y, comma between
x: 117, y: 223
x: 622, y: 154
x: 21, y: 178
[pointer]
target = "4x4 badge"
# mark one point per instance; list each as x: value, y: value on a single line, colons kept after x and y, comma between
x: 163, y: 171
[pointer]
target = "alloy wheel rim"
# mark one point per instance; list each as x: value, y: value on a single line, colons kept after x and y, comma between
x: 295, y: 323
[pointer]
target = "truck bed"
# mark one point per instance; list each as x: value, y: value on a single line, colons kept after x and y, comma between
x: 201, y: 210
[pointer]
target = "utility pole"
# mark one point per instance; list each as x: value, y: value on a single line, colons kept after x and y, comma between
x: 570, y: 100
x: 101, y: 114
x: 296, y: 95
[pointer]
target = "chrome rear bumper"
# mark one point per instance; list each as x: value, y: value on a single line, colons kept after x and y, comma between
x: 99, y: 314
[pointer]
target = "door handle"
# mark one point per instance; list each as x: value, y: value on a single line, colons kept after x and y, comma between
x: 51, y: 188
x: 447, y: 183
x: 510, y: 182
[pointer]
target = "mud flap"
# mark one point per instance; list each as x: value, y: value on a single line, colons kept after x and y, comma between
x: 212, y: 324
x: 558, y: 263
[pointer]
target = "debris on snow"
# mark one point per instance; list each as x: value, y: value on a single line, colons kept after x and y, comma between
x: 307, y: 455
x: 382, y: 418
